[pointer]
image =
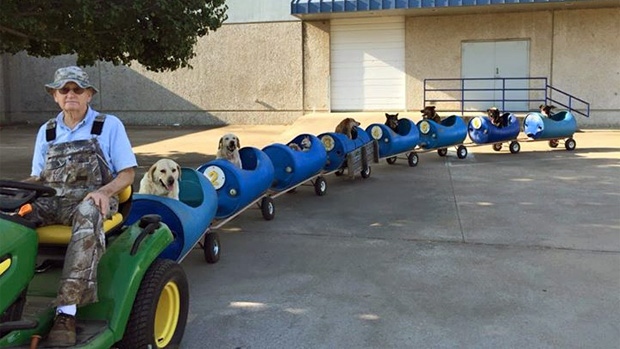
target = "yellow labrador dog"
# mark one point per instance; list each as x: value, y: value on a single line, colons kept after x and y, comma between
x: 162, y: 179
x: 228, y: 148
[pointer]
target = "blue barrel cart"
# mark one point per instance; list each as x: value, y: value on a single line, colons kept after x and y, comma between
x: 354, y: 155
x: 240, y: 188
x: 391, y: 144
x: 189, y: 218
x: 451, y: 131
x: 483, y: 132
x: 558, y: 127
x: 293, y: 168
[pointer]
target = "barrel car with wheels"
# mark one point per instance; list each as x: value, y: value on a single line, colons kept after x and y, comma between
x: 555, y: 128
x: 240, y: 188
x: 482, y: 131
x: 298, y: 162
x: 393, y: 143
x: 352, y: 154
x: 143, y: 298
x: 189, y: 218
x: 451, y: 131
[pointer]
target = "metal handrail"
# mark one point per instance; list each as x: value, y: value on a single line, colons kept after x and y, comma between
x: 538, y: 91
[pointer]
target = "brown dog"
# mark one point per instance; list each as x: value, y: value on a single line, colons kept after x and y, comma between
x: 347, y: 127
x: 429, y: 113
x: 493, y: 114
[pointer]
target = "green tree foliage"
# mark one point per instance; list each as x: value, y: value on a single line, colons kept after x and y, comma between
x: 159, y: 34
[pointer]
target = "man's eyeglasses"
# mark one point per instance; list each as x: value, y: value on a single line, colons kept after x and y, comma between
x: 76, y: 90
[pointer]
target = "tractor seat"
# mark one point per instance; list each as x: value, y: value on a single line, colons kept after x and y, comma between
x: 58, y: 234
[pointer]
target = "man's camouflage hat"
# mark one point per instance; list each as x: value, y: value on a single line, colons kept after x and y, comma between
x: 69, y: 74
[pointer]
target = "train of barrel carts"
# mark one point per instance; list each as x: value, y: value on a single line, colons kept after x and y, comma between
x: 143, y: 290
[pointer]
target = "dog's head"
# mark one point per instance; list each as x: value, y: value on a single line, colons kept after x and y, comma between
x: 229, y: 142
x: 546, y: 109
x: 428, y: 112
x: 391, y: 120
x: 351, y: 123
x: 493, y: 113
x: 306, y: 143
x: 165, y: 172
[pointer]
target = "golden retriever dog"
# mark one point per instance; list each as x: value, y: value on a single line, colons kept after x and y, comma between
x: 228, y: 149
x: 347, y: 127
x: 162, y: 179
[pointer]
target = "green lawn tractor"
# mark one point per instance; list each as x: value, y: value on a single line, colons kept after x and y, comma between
x: 143, y: 298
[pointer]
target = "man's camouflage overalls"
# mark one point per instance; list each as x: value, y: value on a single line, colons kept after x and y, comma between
x: 75, y: 169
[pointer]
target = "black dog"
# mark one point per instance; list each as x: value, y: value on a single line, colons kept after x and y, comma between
x: 391, y: 121
x: 429, y: 113
x: 546, y: 109
x: 497, y: 119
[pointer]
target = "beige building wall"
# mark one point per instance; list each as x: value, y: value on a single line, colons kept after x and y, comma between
x: 242, y: 74
x: 433, y: 46
x: 316, y: 68
x: 586, y: 51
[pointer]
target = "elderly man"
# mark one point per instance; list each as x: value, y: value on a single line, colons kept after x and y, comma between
x: 87, y: 157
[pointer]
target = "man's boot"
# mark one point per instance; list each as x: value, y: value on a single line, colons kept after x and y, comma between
x: 62, y: 333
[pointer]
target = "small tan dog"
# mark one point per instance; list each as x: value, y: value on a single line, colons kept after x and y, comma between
x: 162, y: 179
x: 347, y: 127
x: 228, y: 148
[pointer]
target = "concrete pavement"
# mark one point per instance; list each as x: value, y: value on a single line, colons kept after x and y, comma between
x: 497, y: 250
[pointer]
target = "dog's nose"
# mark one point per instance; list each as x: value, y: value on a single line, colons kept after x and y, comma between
x: 170, y: 180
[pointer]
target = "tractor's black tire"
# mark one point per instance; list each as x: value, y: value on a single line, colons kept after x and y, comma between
x: 570, y: 144
x: 163, y: 278
x: 391, y: 160
x: 442, y: 152
x: 554, y: 143
x: 497, y: 146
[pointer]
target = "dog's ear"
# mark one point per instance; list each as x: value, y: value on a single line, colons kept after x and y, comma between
x: 238, y: 143
x: 396, y: 115
x: 179, y: 171
x: 151, y: 173
x: 220, y: 144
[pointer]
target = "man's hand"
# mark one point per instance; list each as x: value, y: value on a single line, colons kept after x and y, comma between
x: 101, y: 200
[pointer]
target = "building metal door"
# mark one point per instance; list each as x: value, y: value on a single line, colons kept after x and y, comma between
x: 495, y: 59
x: 367, y: 64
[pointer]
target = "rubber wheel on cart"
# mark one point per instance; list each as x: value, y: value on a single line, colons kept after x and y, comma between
x: 515, y: 147
x: 413, y: 159
x: 365, y: 172
x: 267, y: 208
x: 553, y: 143
x: 339, y: 172
x: 570, y: 144
x: 211, y: 247
x: 391, y: 160
x: 461, y: 152
x: 320, y: 186
x: 497, y: 146
x: 442, y: 151
x: 159, y: 313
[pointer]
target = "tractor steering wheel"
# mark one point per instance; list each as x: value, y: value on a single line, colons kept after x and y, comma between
x: 14, y: 194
